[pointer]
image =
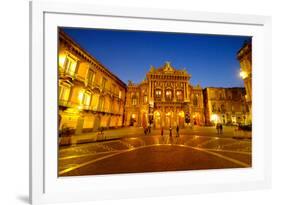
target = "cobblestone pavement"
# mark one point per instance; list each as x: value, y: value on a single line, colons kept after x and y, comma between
x: 154, y: 153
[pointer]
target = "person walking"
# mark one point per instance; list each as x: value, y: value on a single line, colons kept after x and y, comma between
x: 221, y: 128
x: 170, y: 131
x: 178, y: 131
x: 218, y: 128
x: 162, y: 131
x: 144, y: 130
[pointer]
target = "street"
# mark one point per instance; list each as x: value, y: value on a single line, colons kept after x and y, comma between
x: 195, y: 149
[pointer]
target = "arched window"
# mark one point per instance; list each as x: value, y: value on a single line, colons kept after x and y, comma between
x: 179, y: 95
x: 145, y: 99
x: 169, y: 95
x: 214, y: 107
x: 195, y: 100
x: 222, y: 108
x: 134, y: 100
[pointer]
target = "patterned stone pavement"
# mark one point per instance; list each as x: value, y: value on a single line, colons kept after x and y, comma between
x: 155, y: 153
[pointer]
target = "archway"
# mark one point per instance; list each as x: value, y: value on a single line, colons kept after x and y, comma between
x: 181, y: 119
x: 157, y: 119
x: 168, y: 119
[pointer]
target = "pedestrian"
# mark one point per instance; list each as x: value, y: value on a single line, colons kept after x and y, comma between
x: 218, y: 128
x: 170, y: 131
x: 178, y: 131
x: 144, y: 130
x: 149, y: 129
x: 162, y: 131
x: 221, y: 128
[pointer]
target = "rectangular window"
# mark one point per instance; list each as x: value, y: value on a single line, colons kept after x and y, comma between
x: 134, y: 101
x: 91, y: 77
x: 70, y: 65
x: 64, y: 92
x: 103, y: 82
x: 87, y: 99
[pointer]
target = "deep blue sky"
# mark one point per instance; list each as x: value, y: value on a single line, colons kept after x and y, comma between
x: 210, y: 59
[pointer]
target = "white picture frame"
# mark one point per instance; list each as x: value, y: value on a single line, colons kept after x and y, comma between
x: 45, y: 186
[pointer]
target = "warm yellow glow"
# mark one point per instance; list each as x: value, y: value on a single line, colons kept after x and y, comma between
x: 214, y: 118
x: 168, y: 114
x: 81, y: 96
x: 133, y: 116
x: 157, y: 114
x: 87, y: 99
x: 243, y: 74
x: 61, y: 60
x: 181, y: 114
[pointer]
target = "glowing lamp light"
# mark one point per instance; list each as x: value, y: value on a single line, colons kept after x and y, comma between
x: 157, y: 114
x: 181, y: 114
x: 214, y: 118
x: 168, y: 114
x: 243, y: 74
x: 133, y: 116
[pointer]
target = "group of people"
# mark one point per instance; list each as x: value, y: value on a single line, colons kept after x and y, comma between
x: 147, y: 130
x: 171, y: 131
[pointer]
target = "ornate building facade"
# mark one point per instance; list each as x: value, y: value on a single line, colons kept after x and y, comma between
x: 89, y: 95
x: 164, y: 98
x: 225, y: 105
x: 244, y: 56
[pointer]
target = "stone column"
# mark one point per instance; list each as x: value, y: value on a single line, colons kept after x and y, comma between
x: 174, y: 92
x: 163, y: 91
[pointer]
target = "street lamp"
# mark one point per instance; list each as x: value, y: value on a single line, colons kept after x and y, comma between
x: 243, y: 74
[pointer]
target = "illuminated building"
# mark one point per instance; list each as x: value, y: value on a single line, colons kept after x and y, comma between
x: 225, y: 105
x: 164, y: 98
x: 90, y: 96
x: 244, y: 56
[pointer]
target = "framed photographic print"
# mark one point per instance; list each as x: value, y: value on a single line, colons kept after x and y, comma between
x: 129, y: 102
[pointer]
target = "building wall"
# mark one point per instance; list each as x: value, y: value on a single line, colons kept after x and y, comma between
x: 163, y: 99
x: 225, y: 105
x: 244, y: 56
x: 90, y: 96
x: 197, y: 105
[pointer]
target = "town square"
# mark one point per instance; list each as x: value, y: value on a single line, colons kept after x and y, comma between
x: 156, y: 118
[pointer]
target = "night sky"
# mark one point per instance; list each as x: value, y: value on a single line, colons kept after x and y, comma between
x: 210, y: 59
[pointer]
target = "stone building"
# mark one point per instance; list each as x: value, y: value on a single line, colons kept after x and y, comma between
x: 244, y: 56
x: 89, y: 95
x: 225, y: 105
x: 164, y: 98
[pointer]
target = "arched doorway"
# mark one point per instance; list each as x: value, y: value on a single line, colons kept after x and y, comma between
x: 144, y: 119
x: 157, y: 119
x: 168, y: 119
x: 181, y: 119
x: 196, y: 118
